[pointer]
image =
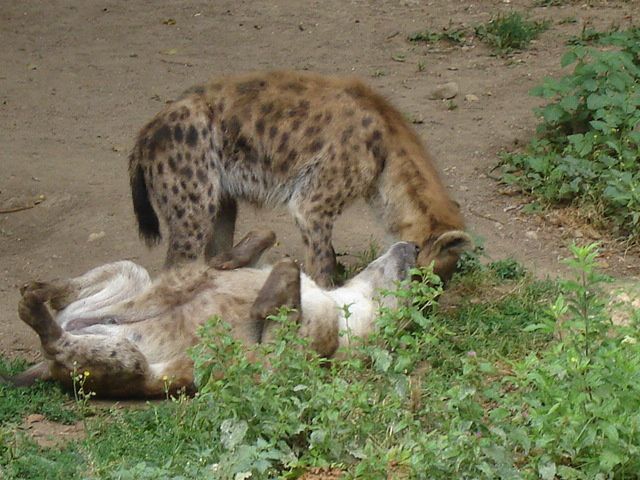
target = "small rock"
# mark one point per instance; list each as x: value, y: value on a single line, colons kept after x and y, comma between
x: 34, y: 418
x: 96, y: 236
x: 464, y: 188
x: 446, y: 91
x: 471, y: 98
x: 531, y: 235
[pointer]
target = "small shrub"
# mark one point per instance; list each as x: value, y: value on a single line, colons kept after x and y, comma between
x: 588, y: 142
x: 506, y: 33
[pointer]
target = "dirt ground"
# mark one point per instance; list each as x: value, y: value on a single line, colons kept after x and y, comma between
x: 79, y: 78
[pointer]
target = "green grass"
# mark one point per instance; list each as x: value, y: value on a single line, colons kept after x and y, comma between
x: 456, y: 36
x: 509, y: 32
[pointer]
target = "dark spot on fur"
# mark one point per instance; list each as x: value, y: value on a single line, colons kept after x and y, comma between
x: 195, y: 90
x: 284, y: 140
x: 316, y: 145
x: 202, y: 176
x: 179, y: 212
x: 251, y: 87
x: 212, y: 208
x: 164, y: 199
x: 366, y: 121
x: 204, y: 132
x: 295, y: 125
x: 296, y: 87
x: 266, y: 108
x: 160, y: 168
x: 184, y: 113
x: 346, y: 134
x: 194, y: 197
x: 113, y: 353
x: 316, y: 197
x: 273, y: 131
x: 233, y: 127
x: 220, y: 107
x: 186, y: 172
x: 177, y: 133
x: 159, y: 139
x: 172, y: 164
x: 192, y: 136
x: 260, y: 126
x: 312, y: 130
x: 175, y: 189
x: 173, y: 116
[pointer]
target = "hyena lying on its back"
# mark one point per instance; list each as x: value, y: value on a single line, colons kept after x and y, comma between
x: 132, y: 334
x: 308, y: 141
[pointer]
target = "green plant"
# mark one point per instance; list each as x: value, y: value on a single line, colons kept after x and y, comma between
x: 452, y: 35
x: 588, y: 141
x: 578, y: 401
x: 506, y: 33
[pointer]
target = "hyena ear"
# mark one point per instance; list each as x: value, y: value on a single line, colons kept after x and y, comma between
x: 445, y: 252
x: 454, y: 242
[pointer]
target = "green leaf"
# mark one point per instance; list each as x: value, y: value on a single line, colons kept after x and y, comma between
x: 547, y: 470
x: 553, y: 113
x: 609, y: 459
x: 568, y: 58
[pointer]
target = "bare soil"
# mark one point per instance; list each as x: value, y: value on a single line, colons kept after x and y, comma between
x: 79, y: 78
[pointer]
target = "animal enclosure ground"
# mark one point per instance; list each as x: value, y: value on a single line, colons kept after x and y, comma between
x: 80, y: 78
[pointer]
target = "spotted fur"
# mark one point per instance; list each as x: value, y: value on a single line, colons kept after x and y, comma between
x: 311, y: 142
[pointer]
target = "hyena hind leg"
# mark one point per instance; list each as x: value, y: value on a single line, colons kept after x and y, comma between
x: 115, y: 366
x: 224, y: 226
x: 59, y: 293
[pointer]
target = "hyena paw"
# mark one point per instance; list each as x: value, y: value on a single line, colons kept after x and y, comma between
x: 57, y: 295
x: 32, y: 286
x: 30, y: 307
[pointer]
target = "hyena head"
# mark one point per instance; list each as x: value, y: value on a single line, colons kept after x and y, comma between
x: 444, y: 251
x: 390, y: 268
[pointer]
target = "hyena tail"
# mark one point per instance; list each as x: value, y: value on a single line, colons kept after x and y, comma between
x: 148, y: 225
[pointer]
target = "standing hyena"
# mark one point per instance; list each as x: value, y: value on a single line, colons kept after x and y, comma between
x: 311, y: 142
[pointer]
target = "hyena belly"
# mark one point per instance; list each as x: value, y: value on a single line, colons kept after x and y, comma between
x: 310, y: 142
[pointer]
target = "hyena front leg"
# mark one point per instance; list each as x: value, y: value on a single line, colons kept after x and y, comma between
x: 316, y: 227
x: 281, y: 289
x: 246, y: 252
x: 115, y: 366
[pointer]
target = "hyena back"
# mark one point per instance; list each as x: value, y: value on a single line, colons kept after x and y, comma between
x: 311, y: 142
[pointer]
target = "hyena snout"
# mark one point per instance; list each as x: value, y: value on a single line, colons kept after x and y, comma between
x: 406, y: 255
